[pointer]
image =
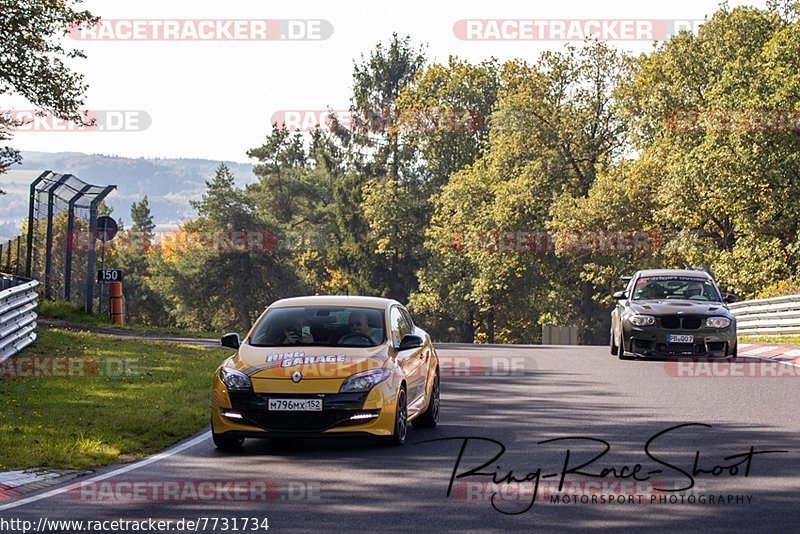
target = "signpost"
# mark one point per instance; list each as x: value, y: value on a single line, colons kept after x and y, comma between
x: 106, y: 231
x: 107, y: 276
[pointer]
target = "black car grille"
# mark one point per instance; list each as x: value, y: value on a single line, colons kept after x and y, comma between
x: 337, y: 409
x: 685, y: 322
x: 679, y: 348
x: 303, y: 421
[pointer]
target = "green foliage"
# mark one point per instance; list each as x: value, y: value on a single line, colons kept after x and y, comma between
x: 218, y: 286
x: 31, y: 32
x: 443, y: 163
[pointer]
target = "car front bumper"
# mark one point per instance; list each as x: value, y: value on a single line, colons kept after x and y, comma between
x: 246, y: 414
x: 652, y: 342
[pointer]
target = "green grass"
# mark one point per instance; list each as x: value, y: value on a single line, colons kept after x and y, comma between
x: 777, y: 340
x: 67, y: 311
x: 87, y: 421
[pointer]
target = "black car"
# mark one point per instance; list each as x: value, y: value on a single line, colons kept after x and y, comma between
x: 671, y: 312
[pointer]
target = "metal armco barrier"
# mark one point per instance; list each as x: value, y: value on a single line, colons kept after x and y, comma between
x: 17, y: 315
x: 559, y: 335
x: 779, y: 315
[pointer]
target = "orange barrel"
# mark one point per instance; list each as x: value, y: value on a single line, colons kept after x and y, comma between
x: 115, y: 294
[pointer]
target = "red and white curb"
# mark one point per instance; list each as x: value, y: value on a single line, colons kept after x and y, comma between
x: 789, y: 354
x: 15, y: 483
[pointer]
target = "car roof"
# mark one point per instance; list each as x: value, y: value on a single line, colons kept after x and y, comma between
x: 675, y: 272
x: 335, y: 300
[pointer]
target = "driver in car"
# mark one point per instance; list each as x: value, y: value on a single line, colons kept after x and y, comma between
x: 694, y: 290
x: 360, y: 325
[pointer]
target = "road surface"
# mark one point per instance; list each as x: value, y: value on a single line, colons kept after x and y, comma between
x: 517, y: 396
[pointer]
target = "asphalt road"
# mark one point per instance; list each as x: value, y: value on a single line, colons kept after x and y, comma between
x: 519, y: 396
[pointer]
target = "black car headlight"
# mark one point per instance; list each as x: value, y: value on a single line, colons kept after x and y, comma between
x: 718, y: 322
x: 234, y: 380
x: 642, y: 320
x: 364, y: 381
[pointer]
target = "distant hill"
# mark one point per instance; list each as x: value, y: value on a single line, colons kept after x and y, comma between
x: 168, y: 183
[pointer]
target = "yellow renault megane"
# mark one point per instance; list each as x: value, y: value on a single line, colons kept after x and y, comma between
x: 326, y: 365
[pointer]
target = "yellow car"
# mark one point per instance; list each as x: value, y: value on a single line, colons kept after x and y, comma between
x: 330, y: 366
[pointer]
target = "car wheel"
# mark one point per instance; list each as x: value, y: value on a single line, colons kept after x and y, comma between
x: 621, y: 348
x: 735, y: 351
x: 430, y: 417
x: 226, y: 442
x: 613, y: 345
x: 398, y: 437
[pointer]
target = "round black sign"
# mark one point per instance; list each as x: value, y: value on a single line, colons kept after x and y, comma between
x: 106, y: 228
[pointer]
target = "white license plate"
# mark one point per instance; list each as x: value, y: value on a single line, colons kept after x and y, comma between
x: 679, y: 338
x: 295, y: 405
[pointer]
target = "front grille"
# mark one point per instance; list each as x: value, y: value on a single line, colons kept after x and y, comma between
x: 303, y: 421
x: 336, y: 411
x: 679, y: 348
x: 685, y: 322
x: 692, y: 322
x: 671, y: 321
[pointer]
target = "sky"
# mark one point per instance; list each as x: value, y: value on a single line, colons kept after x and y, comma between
x: 215, y: 99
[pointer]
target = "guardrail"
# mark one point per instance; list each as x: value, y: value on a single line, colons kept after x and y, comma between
x: 17, y: 316
x: 775, y: 316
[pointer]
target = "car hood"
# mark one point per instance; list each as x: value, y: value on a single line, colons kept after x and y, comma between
x: 313, y: 362
x: 683, y: 307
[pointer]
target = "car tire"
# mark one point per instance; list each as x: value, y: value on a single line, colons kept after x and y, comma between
x: 613, y: 345
x: 621, y: 349
x: 398, y: 437
x: 430, y: 417
x: 225, y: 442
x: 735, y: 351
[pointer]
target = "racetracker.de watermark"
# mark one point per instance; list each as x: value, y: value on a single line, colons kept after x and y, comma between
x: 431, y: 120
x: 572, y: 29
x: 564, y: 241
x: 103, y: 120
x: 218, y: 241
x: 467, y: 365
x: 131, y: 491
x: 734, y: 120
x: 204, y: 30
x: 694, y: 368
x: 24, y: 366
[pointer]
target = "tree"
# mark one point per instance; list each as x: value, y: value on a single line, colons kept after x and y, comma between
x: 211, y: 279
x: 30, y: 39
x: 553, y: 129
x: 141, y: 218
x: 705, y: 113
x: 133, y: 254
x: 375, y: 257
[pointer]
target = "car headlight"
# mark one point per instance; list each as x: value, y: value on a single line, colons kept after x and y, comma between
x: 718, y: 322
x: 642, y: 320
x: 364, y: 381
x: 234, y: 380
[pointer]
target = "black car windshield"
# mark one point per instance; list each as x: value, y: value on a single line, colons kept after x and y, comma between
x: 320, y: 326
x: 675, y: 287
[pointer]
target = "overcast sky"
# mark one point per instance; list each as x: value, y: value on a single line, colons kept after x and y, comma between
x: 214, y: 99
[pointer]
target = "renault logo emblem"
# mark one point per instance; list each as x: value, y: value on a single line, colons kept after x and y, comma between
x: 297, y: 376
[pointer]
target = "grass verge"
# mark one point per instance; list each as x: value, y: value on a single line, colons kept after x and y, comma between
x: 777, y: 340
x: 67, y: 311
x: 99, y: 400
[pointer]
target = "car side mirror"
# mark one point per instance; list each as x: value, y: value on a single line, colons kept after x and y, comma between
x: 729, y: 298
x: 410, y: 341
x: 620, y: 295
x: 230, y: 340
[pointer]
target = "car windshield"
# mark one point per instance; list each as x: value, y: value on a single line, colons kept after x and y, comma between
x: 320, y: 325
x: 675, y: 287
